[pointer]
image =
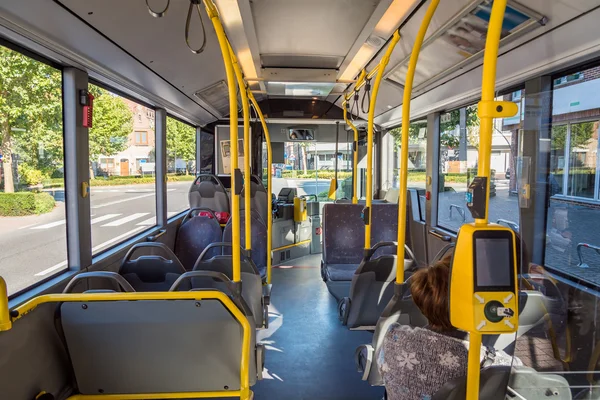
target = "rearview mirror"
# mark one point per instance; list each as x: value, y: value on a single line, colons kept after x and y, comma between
x: 301, y: 134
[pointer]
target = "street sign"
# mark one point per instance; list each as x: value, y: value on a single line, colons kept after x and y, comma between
x: 143, y: 161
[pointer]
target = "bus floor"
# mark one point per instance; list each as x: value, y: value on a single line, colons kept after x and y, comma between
x: 309, y: 354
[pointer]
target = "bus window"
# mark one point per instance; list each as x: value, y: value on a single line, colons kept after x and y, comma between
x: 459, y: 143
x: 181, y: 164
x: 32, y: 192
x: 573, y: 179
x: 122, y: 169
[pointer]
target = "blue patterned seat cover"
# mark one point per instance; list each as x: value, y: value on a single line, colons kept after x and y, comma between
x: 193, y: 237
x: 343, y: 234
x: 259, y: 241
x: 384, y: 221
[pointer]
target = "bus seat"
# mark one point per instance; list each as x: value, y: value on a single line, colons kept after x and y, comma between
x: 207, y: 191
x: 343, y: 242
x: 116, y: 279
x: 151, y: 273
x: 372, y: 286
x: 194, y: 234
x: 384, y: 222
x: 402, y: 310
x: 525, y: 381
x: 259, y: 241
x: 252, y: 290
x: 258, y: 198
x: 185, y: 348
x: 391, y: 196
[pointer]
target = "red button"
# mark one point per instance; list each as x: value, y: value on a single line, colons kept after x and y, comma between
x: 428, y: 195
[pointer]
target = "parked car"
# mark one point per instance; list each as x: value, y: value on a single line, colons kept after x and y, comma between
x: 507, y: 174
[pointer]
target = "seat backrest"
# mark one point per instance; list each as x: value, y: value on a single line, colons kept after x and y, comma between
x: 193, y: 236
x: 258, y: 198
x: 259, y: 240
x: 415, y: 363
x: 251, y: 281
x: 384, y: 227
x: 343, y: 234
x: 151, y: 273
x: 177, y: 353
x: 207, y: 191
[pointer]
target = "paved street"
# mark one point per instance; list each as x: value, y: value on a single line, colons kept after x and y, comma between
x: 34, y: 247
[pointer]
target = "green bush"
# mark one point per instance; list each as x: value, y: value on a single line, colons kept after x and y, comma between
x: 29, y: 175
x: 25, y: 203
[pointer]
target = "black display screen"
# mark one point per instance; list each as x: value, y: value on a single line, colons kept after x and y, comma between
x: 494, y: 261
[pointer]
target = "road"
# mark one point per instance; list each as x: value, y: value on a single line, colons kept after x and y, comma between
x: 34, y: 247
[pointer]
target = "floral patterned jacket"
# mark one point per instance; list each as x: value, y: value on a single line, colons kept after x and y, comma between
x: 415, y: 362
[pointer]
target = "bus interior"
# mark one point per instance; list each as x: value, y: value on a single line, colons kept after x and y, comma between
x: 142, y: 256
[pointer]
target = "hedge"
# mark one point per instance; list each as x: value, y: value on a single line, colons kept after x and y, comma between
x: 120, y: 180
x: 25, y: 203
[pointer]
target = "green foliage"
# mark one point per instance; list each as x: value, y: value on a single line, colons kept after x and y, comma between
x: 29, y: 175
x: 137, y: 180
x: 113, y: 122
x: 25, y: 203
x: 581, y: 134
x: 30, y: 113
x: 181, y: 141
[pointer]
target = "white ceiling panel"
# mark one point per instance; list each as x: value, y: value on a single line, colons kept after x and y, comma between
x: 310, y: 27
x: 158, y: 42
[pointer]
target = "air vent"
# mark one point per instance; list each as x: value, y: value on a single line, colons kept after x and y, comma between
x: 216, y: 96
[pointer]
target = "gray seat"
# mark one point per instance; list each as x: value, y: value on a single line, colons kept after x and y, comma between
x: 259, y: 241
x: 258, y: 198
x: 151, y: 273
x: 373, y: 286
x: 195, y: 233
x: 402, y: 310
x: 207, y: 191
x: 252, y: 288
x: 155, y: 346
x: 343, y: 243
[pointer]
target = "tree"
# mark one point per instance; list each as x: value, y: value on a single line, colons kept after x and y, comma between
x: 113, y: 123
x: 30, y: 112
x: 181, y: 142
x: 581, y: 134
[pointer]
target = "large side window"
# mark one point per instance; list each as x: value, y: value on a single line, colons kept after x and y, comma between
x: 417, y: 158
x: 32, y: 194
x: 181, y: 164
x: 573, y: 177
x: 122, y: 169
x: 459, y: 147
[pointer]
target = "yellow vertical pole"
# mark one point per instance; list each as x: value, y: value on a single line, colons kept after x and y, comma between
x: 370, y: 122
x: 486, y: 109
x: 5, y: 322
x: 355, y: 153
x: 246, y: 113
x: 488, y: 86
x: 269, y: 184
x: 213, y: 14
x: 410, y: 75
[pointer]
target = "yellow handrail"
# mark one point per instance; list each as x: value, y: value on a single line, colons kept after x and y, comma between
x: 370, y: 122
x: 244, y: 392
x: 355, y: 153
x: 361, y: 81
x: 213, y: 14
x: 269, y: 183
x: 246, y: 112
x: 408, y: 84
x: 487, y: 110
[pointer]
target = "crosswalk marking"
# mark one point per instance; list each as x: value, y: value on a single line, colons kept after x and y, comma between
x: 126, y: 219
x: 103, y: 218
x: 152, y: 221
x: 50, y: 225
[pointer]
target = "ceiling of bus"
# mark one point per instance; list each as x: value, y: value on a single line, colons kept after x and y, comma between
x: 287, y: 48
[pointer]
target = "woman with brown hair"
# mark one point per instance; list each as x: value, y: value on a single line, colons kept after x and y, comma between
x: 416, y: 362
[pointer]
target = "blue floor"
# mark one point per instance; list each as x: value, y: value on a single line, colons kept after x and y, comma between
x: 310, y: 355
